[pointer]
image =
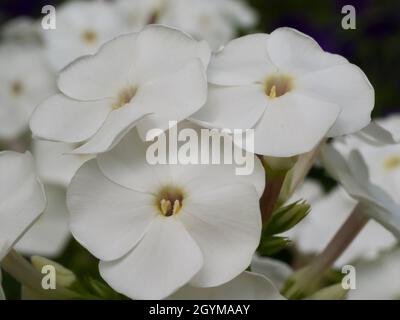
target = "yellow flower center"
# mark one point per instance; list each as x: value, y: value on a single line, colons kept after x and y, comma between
x: 169, y: 200
x: 17, y: 88
x: 391, y: 163
x: 89, y: 36
x: 277, y: 85
x: 124, y: 97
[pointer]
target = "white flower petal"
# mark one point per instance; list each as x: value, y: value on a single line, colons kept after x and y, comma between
x: 391, y: 123
x: 378, y: 279
x: 90, y: 78
x: 49, y: 235
x: 293, y: 124
x: 297, y: 53
x: 277, y: 271
x: 163, y: 50
x: 199, y: 179
x: 126, y: 165
x: 347, y: 86
x: 224, y: 104
x: 63, y: 119
x: 246, y: 286
x: 354, y: 176
x: 226, y: 224
x: 172, y: 97
x: 22, y: 198
x: 163, y: 261
x: 242, y: 61
x: 107, y: 218
x: 74, y: 19
x: 54, y: 162
x: 114, y: 128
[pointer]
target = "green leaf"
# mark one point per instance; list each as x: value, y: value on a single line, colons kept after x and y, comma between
x: 286, y: 218
x: 271, y: 245
x: 93, y: 289
x: 334, y: 292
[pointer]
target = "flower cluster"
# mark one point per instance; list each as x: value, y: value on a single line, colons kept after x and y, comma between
x: 110, y: 79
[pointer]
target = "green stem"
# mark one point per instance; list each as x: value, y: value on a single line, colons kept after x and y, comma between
x: 22, y: 271
x: 306, y: 281
x: 270, y: 196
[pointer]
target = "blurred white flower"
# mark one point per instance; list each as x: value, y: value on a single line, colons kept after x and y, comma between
x: 350, y: 169
x: 288, y: 89
x: 54, y: 161
x: 276, y: 271
x: 391, y: 124
x: 138, y: 13
x: 22, y: 30
x: 25, y: 81
x: 246, y: 286
x: 156, y: 228
x: 328, y: 213
x: 49, y: 235
x: 382, y: 160
x: 82, y: 27
x: 378, y: 279
x: 157, y: 74
x: 215, y: 21
x: 22, y: 198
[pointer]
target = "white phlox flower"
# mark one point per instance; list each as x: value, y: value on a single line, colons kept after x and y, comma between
x: 25, y: 81
x: 246, y: 286
x: 22, y: 198
x: 285, y: 87
x: 154, y: 76
x: 158, y: 227
x: 81, y: 28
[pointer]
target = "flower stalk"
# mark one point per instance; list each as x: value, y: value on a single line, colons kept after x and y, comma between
x: 306, y: 280
x: 269, y: 199
x: 22, y: 271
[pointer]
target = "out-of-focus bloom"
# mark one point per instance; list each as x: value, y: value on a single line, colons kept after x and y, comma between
x: 54, y: 161
x: 216, y: 21
x: 156, y: 228
x: 392, y: 125
x: 381, y: 160
x: 356, y: 177
x: 49, y: 235
x: 137, y: 14
x: 25, y: 81
x: 22, y: 198
x: 288, y: 89
x: 276, y: 271
x: 246, y: 286
x: 328, y: 213
x: 22, y: 30
x: 378, y: 279
x: 81, y: 28
x: 376, y: 134
x: 55, y: 167
x: 158, y: 75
